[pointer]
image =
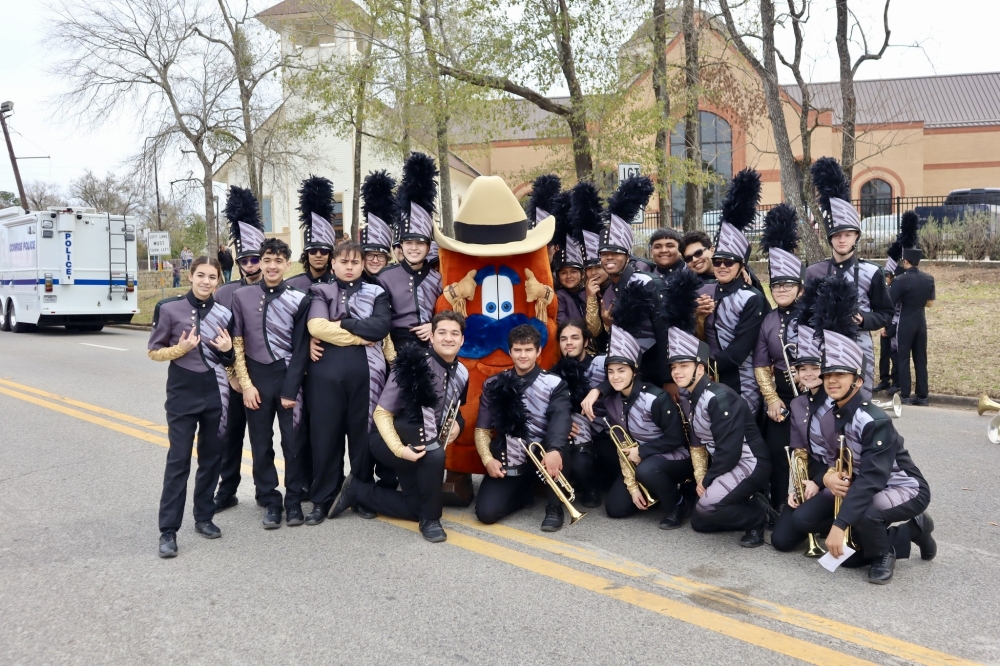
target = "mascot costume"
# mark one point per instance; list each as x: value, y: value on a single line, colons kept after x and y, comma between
x: 496, y: 271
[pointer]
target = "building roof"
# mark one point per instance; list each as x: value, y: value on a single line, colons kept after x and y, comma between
x: 953, y: 100
x: 287, y: 7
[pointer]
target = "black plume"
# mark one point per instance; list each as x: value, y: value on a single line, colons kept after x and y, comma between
x: 805, y: 306
x: 241, y: 206
x: 510, y: 417
x: 739, y: 206
x: 633, y: 305
x: 630, y: 197
x: 575, y: 375
x: 908, y: 228
x: 895, y: 251
x: 413, y: 378
x: 419, y: 184
x: 315, y: 196
x: 378, y: 197
x: 585, y: 210
x: 544, y: 191
x: 836, y: 305
x: 681, y: 299
x: 781, y: 229
x: 829, y: 180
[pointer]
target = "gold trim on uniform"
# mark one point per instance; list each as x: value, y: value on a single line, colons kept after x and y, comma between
x: 593, y: 316
x: 167, y: 353
x: 388, y: 349
x: 699, y: 460
x: 765, y: 380
x: 332, y: 333
x: 385, y: 422
x: 241, y: 364
x: 483, y: 439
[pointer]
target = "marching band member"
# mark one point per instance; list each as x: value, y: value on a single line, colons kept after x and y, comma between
x: 522, y: 405
x: 420, y: 399
x: 379, y: 211
x: 272, y: 351
x: 191, y: 332
x: 777, y: 339
x: 888, y: 362
x: 723, y: 431
x: 247, y: 233
x: 413, y: 288
x: 586, y: 226
x: 350, y: 318
x: 912, y: 293
x: 843, y: 230
x: 665, y: 251
x: 316, y: 214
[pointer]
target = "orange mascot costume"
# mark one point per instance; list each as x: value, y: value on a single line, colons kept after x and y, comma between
x: 497, y: 273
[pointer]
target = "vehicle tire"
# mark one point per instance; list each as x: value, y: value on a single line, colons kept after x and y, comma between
x: 13, y: 323
x: 4, y: 324
x: 90, y: 328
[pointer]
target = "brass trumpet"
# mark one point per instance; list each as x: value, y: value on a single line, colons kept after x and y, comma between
x: 844, y: 467
x: 895, y: 405
x: 799, y: 488
x: 993, y: 429
x: 789, y: 368
x: 624, y: 441
x: 559, y: 485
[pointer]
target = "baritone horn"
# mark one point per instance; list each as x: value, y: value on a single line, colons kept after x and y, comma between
x: 993, y: 429
x: 895, y: 405
x: 799, y: 488
x: 623, y: 441
x: 560, y: 485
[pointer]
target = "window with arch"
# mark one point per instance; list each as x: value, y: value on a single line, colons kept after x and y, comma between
x: 876, y: 198
x: 716, y: 139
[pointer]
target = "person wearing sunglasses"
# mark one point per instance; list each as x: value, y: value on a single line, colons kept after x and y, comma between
x: 379, y: 212
x: 316, y: 214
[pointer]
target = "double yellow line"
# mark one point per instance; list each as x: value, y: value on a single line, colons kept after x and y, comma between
x: 684, y: 588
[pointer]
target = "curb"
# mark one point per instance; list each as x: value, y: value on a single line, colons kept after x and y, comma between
x: 954, y: 401
x: 132, y: 327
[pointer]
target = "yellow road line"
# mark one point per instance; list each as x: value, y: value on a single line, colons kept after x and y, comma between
x: 858, y: 636
x: 716, y: 622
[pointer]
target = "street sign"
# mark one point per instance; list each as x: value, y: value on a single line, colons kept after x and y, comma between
x: 159, y: 243
x: 628, y: 170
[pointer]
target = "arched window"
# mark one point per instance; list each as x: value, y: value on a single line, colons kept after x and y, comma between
x: 716, y: 155
x: 876, y: 198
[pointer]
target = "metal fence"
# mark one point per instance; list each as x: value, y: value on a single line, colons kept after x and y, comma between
x: 957, y: 231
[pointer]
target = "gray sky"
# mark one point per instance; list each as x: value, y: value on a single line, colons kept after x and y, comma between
x: 956, y: 37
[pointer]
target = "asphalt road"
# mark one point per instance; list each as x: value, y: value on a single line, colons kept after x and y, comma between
x: 81, y: 463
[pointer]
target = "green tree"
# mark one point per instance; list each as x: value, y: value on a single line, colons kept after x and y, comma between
x: 8, y: 199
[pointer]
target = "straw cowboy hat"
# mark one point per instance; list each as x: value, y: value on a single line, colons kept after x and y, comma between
x: 491, y: 223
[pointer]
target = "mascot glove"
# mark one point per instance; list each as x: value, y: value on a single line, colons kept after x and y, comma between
x: 458, y: 293
x: 539, y: 294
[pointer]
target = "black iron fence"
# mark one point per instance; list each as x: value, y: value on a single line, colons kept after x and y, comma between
x: 948, y: 230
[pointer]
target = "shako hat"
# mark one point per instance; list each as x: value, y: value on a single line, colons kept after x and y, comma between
x: 839, y: 214
x: 379, y: 211
x: 779, y: 240
x: 836, y: 304
x: 586, y: 225
x: 624, y: 205
x: 417, y: 198
x: 739, y: 208
x: 245, y: 226
x: 316, y: 213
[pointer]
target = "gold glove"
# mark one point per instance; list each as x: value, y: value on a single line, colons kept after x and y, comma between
x: 483, y: 439
x: 332, y: 333
x: 241, y: 364
x: 388, y: 349
x: 765, y: 380
x: 458, y: 293
x: 594, y: 324
x: 699, y: 460
x: 167, y: 353
x: 539, y: 294
x: 384, y: 421
x: 699, y: 326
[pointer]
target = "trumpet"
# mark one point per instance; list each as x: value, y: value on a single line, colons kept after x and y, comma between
x: 789, y: 370
x: 450, y: 416
x: 993, y: 429
x: 844, y: 467
x: 560, y: 485
x: 624, y: 441
x: 895, y: 405
x: 799, y: 488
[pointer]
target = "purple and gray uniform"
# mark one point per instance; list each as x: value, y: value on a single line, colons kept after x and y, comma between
x: 304, y: 281
x: 777, y: 330
x: 652, y: 339
x: 572, y: 305
x: 412, y: 297
x: 731, y: 332
x: 652, y: 419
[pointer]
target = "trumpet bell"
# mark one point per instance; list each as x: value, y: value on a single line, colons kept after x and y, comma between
x: 897, y: 405
x: 815, y: 548
x: 987, y: 405
x: 993, y: 430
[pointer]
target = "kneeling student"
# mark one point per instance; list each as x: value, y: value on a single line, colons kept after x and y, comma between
x: 426, y: 387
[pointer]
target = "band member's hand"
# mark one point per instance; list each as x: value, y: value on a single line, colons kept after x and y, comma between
x: 587, y: 404
x: 706, y: 306
x: 811, y: 489
x: 593, y: 286
x: 222, y: 341
x: 423, y: 332
x: 251, y: 398
x: 774, y: 411
x: 746, y: 275
x: 674, y: 391
x: 413, y: 454
x: 858, y: 318
x: 835, y: 541
x: 553, y: 463
x: 287, y: 404
x: 639, y: 500
x: 793, y: 501
x: 188, y: 342
x: 700, y: 489
x: 838, y: 485
x: 234, y: 384
x: 495, y: 469
x: 885, y: 333
x: 453, y: 435
x: 574, y: 430
x: 633, y: 455
x: 315, y: 349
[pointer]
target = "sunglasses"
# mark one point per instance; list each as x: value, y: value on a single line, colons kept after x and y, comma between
x: 249, y: 261
x: 728, y: 263
x: 688, y: 258
x: 321, y: 251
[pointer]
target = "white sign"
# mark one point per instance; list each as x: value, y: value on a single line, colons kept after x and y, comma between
x: 627, y: 170
x: 159, y: 243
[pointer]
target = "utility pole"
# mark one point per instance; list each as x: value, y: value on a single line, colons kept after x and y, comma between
x: 156, y: 183
x: 6, y: 109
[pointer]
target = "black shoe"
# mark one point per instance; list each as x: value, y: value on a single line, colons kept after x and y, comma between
x: 917, y: 402
x: 769, y: 511
x: 882, y: 569
x: 590, y: 499
x: 881, y: 386
x: 223, y: 503
x: 168, y: 544
x: 207, y: 529
x: 753, y: 538
x: 553, y: 520
x: 364, y: 511
x: 677, y: 516
x: 892, y: 390
x: 432, y: 531
x: 928, y: 546
x: 272, y: 517
x: 293, y: 515
x: 345, y: 498
x: 317, y: 515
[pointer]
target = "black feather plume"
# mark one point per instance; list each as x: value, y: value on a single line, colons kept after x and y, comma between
x: 739, y: 206
x: 413, y: 378
x: 895, y: 251
x: 419, y: 184
x: 781, y: 229
x: 378, y: 196
x: 630, y: 197
x: 575, y: 374
x: 585, y: 209
x: 836, y: 305
x: 828, y: 179
x: 241, y: 206
x: 633, y: 305
x: 544, y: 191
x: 805, y: 306
x: 564, y: 226
x: 681, y: 300
x: 510, y: 416
x: 908, y: 229
x: 315, y: 196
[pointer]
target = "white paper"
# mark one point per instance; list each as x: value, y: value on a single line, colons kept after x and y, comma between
x: 830, y: 563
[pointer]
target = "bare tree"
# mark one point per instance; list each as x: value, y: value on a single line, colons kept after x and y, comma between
x: 110, y: 194
x: 692, y: 116
x: 42, y: 195
x: 661, y: 92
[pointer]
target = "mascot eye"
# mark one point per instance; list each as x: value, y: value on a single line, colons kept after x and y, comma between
x: 490, y: 307
x: 498, y: 296
x: 506, y: 306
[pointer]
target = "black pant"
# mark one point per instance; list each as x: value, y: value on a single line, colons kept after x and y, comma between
x: 606, y: 468
x: 888, y: 363
x: 230, y: 471
x: 738, y: 510
x: 499, y: 498
x: 912, y: 339
x: 660, y: 476
x: 580, y: 467
x: 268, y: 380
x: 419, y: 496
x: 193, y: 404
x: 777, y: 436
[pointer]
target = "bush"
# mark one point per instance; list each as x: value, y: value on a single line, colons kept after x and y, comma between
x: 931, y: 238
x: 973, y: 237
